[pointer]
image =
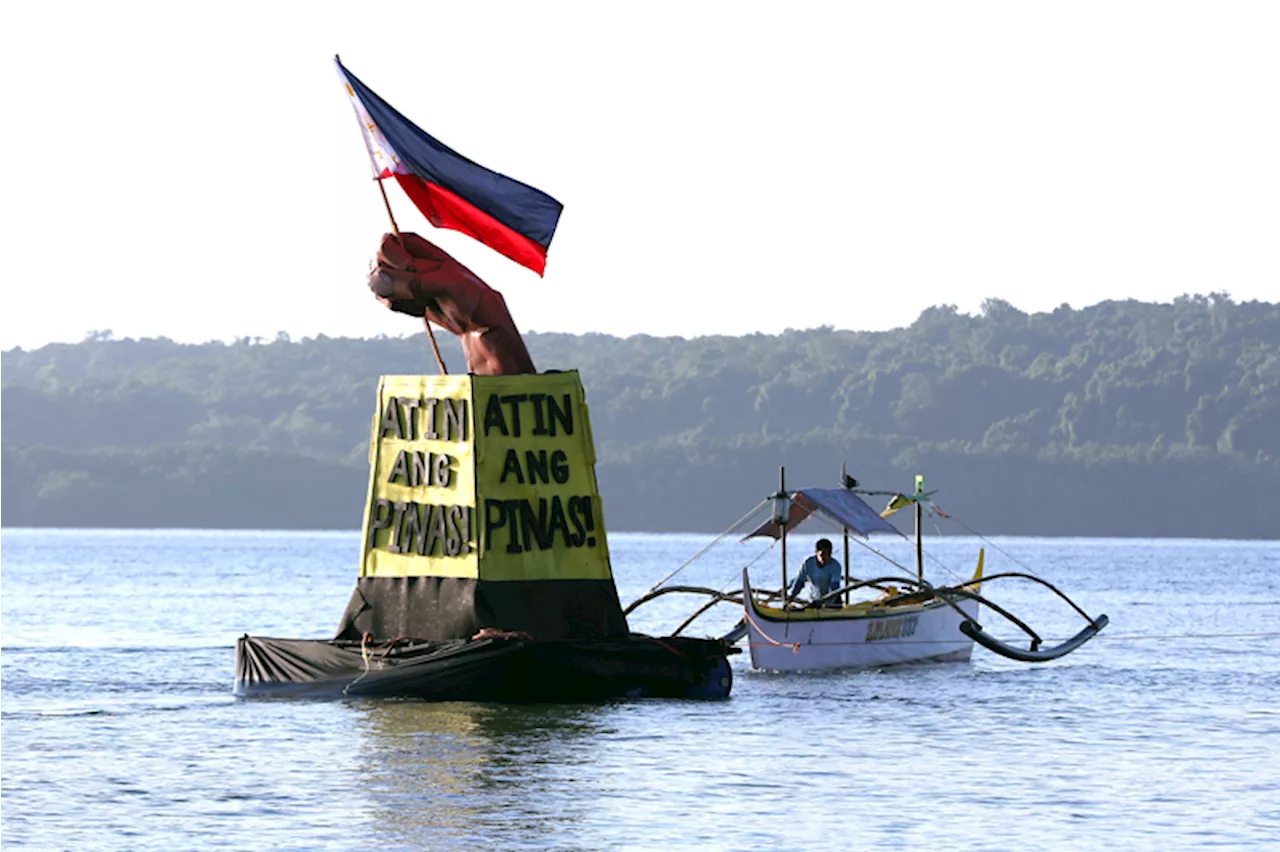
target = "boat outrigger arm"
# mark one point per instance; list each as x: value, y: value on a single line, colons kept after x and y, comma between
x: 921, y: 592
x: 924, y: 591
x: 717, y: 597
x: 974, y: 631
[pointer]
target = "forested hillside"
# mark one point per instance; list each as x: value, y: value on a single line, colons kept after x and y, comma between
x: 1124, y: 418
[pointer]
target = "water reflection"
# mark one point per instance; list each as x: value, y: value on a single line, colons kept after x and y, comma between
x: 450, y: 773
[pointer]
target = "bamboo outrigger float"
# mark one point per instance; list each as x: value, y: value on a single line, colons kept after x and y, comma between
x: 912, y: 621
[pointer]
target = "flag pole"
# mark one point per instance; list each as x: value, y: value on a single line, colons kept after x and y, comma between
x: 431, y: 335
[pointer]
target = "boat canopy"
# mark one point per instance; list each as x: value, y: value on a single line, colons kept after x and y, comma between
x: 837, y: 504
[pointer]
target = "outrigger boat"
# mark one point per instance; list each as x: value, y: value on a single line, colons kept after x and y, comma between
x: 912, y: 621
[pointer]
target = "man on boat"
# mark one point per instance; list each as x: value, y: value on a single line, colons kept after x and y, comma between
x: 822, y: 571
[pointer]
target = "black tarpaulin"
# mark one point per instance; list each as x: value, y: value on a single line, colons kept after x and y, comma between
x: 498, y: 669
x: 440, y: 608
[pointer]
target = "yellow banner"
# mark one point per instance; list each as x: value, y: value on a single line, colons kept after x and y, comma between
x: 538, y: 507
x: 420, y: 514
x: 483, y: 476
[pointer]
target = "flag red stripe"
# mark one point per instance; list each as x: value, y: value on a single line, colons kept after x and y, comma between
x: 444, y: 209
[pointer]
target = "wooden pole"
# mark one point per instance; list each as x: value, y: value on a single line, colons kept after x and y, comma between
x: 395, y: 229
x: 782, y: 489
x: 844, y: 479
x: 919, y: 524
x: 847, y: 579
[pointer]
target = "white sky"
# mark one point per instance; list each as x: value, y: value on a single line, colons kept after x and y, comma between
x: 195, y: 171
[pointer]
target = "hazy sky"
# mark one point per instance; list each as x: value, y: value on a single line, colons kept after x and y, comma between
x: 194, y: 170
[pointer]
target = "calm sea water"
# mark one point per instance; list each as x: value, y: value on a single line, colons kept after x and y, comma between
x: 120, y: 730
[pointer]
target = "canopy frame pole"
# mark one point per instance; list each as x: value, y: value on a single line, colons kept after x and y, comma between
x: 847, y: 579
x: 782, y: 491
x: 919, y: 525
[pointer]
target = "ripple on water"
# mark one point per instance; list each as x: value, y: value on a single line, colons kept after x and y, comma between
x: 120, y: 731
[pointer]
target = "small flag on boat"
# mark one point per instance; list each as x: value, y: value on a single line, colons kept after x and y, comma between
x: 510, y: 217
x: 898, y: 502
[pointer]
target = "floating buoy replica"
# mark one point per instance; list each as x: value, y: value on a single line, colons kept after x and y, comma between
x: 484, y: 566
x: 484, y: 563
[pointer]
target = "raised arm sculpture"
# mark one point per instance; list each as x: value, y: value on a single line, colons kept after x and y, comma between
x: 412, y: 276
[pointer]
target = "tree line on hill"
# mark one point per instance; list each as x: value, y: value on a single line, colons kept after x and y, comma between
x: 1124, y: 418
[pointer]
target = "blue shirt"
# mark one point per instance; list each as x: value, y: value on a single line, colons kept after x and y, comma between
x: 823, y: 578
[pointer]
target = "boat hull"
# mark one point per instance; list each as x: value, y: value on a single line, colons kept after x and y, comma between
x: 812, y: 640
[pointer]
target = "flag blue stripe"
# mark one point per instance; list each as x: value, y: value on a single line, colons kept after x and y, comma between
x: 522, y: 208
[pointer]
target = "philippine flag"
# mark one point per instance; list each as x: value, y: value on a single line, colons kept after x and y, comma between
x: 508, y: 216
